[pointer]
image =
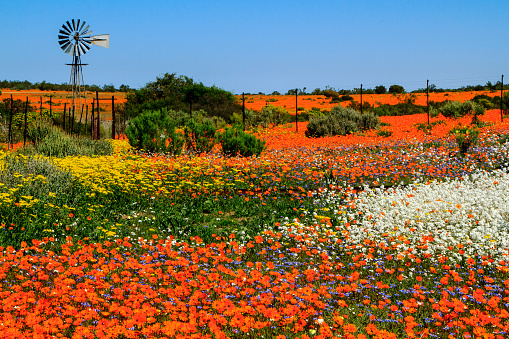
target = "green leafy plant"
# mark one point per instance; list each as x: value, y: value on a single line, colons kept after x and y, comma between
x: 199, y: 137
x: 341, y: 121
x: 237, y: 142
x: 154, y: 131
x: 465, y: 136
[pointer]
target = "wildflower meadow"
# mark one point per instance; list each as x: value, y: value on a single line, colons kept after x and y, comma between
x: 369, y: 235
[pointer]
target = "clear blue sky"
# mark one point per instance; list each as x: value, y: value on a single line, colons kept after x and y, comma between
x: 252, y: 46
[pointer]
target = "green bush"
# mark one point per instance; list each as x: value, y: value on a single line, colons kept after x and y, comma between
x: 465, y: 137
x: 199, y: 137
x: 58, y: 144
x: 17, y: 168
x: 237, y: 142
x: 457, y: 109
x: 154, y: 131
x: 341, y: 121
x: 39, y: 130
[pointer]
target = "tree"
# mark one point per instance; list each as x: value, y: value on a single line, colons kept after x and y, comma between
x: 180, y: 93
x: 396, y: 89
x: 380, y: 89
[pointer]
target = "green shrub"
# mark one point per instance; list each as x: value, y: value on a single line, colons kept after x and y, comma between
x: 237, y: 142
x: 154, y: 131
x: 199, y: 137
x: 341, y: 121
x: 465, y: 137
x: 58, y: 144
x: 384, y: 133
x: 39, y: 130
x: 18, y: 168
x: 457, y: 109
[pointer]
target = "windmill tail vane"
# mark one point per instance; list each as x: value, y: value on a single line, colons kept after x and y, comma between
x: 75, y: 38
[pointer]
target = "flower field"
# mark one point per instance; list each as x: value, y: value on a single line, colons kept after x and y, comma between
x: 359, y: 236
x: 307, y: 102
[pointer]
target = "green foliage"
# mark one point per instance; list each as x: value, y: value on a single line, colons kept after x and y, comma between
x: 396, y: 89
x: 380, y: 89
x: 38, y: 130
x: 181, y: 93
x: 199, y: 137
x: 456, y: 109
x: 341, y: 121
x: 399, y: 109
x: 465, y: 136
x: 426, y: 128
x: 268, y: 115
x: 384, y: 133
x: 58, y: 144
x: 154, y: 131
x: 237, y: 142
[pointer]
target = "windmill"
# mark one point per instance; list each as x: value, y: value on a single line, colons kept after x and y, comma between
x: 75, y: 39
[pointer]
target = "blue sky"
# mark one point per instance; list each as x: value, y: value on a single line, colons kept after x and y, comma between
x: 264, y: 46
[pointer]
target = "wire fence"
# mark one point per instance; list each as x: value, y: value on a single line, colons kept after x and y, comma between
x: 92, y: 120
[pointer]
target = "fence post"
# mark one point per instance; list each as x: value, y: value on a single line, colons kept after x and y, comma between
x: 427, y: 99
x: 244, y: 111
x: 98, y: 116
x: 81, y: 117
x: 25, y: 130
x: 9, y: 135
x: 361, y: 98
x: 501, y: 101
x: 296, y: 111
x: 63, y: 116
x: 113, y: 117
x: 92, y: 121
x: 72, y: 120
x: 86, y: 118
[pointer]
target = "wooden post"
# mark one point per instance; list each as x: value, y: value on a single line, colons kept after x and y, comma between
x: 86, y: 118
x: 40, y: 109
x: 296, y: 112
x: 63, y: 116
x: 427, y: 99
x: 25, y: 131
x: 244, y: 111
x: 81, y: 117
x: 92, y: 121
x: 72, y: 120
x: 9, y: 135
x: 501, y: 101
x: 113, y: 117
x: 98, y: 116
x: 361, y: 98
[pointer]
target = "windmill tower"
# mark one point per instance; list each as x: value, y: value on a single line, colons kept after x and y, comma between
x: 75, y: 39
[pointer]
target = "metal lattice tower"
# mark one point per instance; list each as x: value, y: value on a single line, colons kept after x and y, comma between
x: 75, y: 39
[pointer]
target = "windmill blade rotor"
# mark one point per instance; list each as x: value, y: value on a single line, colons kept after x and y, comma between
x: 68, y: 50
x: 69, y: 26
x: 84, y: 30
x: 73, y: 25
x: 63, y: 44
x: 65, y: 29
x: 78, y: 25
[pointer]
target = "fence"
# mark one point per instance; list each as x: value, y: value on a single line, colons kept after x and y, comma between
x: 101, y: 116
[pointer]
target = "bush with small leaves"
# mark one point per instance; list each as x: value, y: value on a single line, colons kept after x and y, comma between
x: 237, y: 142
x: 341, y: 121
x: 199, y: 137
x: 154, y: 131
